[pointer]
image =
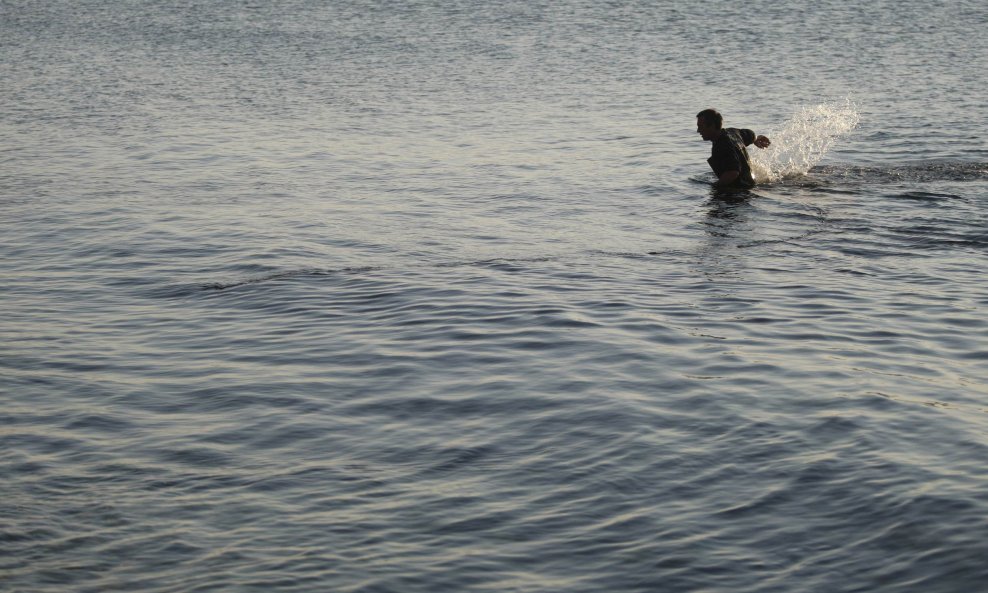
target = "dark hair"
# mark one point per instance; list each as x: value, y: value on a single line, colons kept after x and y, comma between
x: 711, y: 118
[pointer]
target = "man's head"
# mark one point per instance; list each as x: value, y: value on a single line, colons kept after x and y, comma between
x: 708, y: 124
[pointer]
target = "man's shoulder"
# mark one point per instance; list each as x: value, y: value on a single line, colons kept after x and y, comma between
x: 743, y: 134
x: 726, y: 140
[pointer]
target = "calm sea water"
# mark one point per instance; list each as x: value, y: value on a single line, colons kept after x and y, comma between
x: 366, y: 296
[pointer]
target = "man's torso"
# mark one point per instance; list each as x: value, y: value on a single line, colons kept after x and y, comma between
x: 729, y: 154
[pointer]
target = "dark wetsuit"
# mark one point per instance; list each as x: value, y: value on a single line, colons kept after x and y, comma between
x: 729, y: 154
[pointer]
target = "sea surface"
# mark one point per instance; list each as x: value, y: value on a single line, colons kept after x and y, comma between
x: 366, y: 296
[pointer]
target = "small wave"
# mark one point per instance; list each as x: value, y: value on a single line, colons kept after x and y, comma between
x: 505, y: 263
x: 497, y: 262
x: 804, y: 140
x: 282, y: 276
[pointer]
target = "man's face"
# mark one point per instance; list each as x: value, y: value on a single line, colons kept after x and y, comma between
x: 707, y: 131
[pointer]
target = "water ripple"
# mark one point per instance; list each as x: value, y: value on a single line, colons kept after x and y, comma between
x: 363, y: 297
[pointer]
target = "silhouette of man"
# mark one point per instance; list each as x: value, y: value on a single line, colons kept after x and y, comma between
x: 728, y: 158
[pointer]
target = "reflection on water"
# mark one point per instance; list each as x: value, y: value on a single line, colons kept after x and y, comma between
x: 725, y: 202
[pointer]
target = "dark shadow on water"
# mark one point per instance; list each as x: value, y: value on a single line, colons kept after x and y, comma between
x: 726, y: 210
x: 725, y: 203
x: 726, y: 226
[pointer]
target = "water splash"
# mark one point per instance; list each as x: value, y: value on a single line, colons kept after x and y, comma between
x: 803, y: 140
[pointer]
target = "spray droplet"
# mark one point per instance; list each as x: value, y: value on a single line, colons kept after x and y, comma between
x: 804, y: 140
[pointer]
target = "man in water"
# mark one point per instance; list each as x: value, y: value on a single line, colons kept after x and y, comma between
x: 728, y: 158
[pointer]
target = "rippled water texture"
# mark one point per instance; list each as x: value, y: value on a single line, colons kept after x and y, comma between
x: 399, y: 297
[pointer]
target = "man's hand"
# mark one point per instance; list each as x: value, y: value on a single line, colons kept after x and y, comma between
x: 762, y: 142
